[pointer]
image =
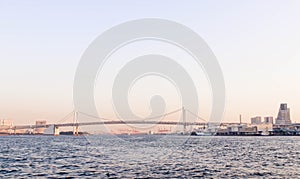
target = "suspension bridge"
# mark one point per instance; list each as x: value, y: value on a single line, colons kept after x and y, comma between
x: 105, y: 121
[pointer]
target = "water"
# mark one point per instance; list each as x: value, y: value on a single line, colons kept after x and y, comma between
x: 149, y: 156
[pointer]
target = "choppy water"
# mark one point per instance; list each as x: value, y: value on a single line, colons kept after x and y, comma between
x: 149, y: 156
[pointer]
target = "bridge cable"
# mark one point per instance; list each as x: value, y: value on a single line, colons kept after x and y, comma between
x: 64, y: 118
x: 196, y: 115
x: 97, y: 117
x: 163, y: 115
x: 155, y: 117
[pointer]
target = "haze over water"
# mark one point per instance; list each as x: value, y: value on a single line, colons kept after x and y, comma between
x: 145, y: 156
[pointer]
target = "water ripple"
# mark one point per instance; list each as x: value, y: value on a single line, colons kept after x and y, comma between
x: 140, y: 157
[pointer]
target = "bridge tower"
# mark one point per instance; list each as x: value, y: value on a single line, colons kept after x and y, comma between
x: 56, y: 130
x: 184, y: 119
x: 75, y: 124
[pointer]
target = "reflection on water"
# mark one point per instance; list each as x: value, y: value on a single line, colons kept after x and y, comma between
x: 148, y: 156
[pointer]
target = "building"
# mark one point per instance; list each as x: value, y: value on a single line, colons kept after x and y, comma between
x: 256, y: 120
x: 5, y: 122
x: 263, y: 127
x: 283, y: 117
x: 5, y: 126
x: 248, y: 130
x: 49, y: 130
x: 39, y: 123
x: 268, y: 120
x: 238, y: 129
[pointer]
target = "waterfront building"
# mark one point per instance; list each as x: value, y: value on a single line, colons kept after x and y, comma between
x: 248, y: 130
x: 263, y: 127
x: 5, y: 122
x: 233, y: 128
x: 283, y: 117
x: 5, y: 126
x: 238, y: 129
x: 40, y: 130
x: 49, y: 130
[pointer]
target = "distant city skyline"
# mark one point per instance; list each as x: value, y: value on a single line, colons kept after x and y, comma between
x: 257, y: 44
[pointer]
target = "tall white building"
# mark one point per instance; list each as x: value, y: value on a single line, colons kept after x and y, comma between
x: 283, y: 117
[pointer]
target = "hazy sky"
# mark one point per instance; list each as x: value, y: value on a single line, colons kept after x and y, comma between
x: 257, y: 44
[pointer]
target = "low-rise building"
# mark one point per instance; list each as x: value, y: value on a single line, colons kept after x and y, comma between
x: 5, y: 126
x: 263, y: 127
x: 6, y: 122
x: 39, y: 123
x: 238, y: 129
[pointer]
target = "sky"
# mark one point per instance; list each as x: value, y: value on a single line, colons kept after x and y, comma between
x: 257, y: 44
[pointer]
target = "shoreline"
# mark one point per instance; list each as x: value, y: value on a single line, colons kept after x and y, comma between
x: 192, y: 135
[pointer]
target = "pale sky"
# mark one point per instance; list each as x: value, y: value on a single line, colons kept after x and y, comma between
x: 257, y: 44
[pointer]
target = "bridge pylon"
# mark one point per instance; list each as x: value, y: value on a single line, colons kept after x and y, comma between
x: 56, y: 130
x: 184, y: 120
x: 75, y: 122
